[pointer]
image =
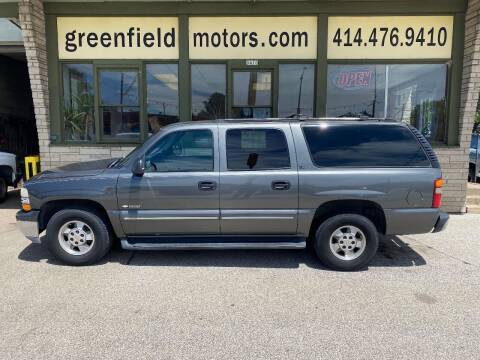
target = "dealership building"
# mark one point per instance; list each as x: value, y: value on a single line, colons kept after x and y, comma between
x: 83, y: 80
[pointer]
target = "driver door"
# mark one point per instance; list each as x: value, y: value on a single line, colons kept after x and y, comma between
x: 179, y: 192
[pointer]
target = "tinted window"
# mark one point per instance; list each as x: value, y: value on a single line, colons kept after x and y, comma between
x: 474, y: 142
x: 257, y: 149
x: 364, y: 145
x: 190, y: 150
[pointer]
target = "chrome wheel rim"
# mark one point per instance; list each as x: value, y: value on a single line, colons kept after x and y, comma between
x: 76, y: 237
x: 348, y: 242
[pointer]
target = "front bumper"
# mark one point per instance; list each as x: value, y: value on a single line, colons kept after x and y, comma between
x: 27, y: 223
x: 441, y: 223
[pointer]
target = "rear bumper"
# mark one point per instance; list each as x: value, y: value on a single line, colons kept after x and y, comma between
x: 415, y: 221
x: 441, y: 223
x: 27, y: 223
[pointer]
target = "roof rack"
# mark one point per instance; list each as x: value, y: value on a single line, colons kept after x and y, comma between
x: 308, y: 118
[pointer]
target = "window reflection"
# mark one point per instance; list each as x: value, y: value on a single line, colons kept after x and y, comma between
x: 252, y: 94
x: 251, y: 113
x: 357, y: 90
x: 78, y: 105
x: 119, y: 87
x: 120, y: 111
x: 414, y: 93
x: 162, y: 95
x: 296, y: 89
x: 208, y: 91
x: 252, y: 88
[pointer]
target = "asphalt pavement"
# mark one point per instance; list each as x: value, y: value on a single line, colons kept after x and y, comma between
x: 419, y: 299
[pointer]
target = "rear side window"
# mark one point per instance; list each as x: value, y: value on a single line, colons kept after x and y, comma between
x: 364, y: 145
x: 257, y: 149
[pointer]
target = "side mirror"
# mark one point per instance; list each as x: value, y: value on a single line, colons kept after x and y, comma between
x: 139, y: 167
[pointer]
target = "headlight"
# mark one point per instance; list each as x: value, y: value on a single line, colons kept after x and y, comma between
x: 25, y: 199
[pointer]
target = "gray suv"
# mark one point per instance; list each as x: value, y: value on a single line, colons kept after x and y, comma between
x: 337, y: 184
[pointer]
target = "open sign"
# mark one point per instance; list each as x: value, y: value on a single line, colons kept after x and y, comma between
x: 355, y: 79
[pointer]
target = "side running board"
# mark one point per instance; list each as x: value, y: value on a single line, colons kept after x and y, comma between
x: 212, y: 242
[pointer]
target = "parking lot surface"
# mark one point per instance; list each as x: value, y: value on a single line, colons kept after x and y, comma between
x: 418, y: 300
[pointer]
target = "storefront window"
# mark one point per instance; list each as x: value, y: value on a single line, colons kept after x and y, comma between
x: 414, y: 93
x: 78, y: 104
x: 120, y: 110
x: 209, y: 88
x: 252, y: 94
x: 296, y: 89
x: 162, y: 95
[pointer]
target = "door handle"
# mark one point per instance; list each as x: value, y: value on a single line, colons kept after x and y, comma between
x: 207, y: 185
x: 280, y: 185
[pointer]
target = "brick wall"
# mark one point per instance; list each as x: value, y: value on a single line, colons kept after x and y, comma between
x: 454, y: 161
x: 32, y: 21
x: 61, y: 155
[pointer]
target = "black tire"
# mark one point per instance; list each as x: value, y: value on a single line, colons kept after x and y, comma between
x: 100, y: 246
x: 471, y: 174
x: 321, y: 242
x: 3, y: 190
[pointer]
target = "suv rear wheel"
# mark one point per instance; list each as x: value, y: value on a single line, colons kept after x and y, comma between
x: 3, y: 189
x: 78, y: 237
x: 346, y: 242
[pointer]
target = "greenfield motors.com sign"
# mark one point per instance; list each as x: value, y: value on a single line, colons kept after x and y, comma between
x: 209, y: 38
x: 292, y: 37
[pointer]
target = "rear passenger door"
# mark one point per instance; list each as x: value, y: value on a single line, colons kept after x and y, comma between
x: 258, y: 179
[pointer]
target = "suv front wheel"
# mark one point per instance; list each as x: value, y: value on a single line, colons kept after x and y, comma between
x: 78, y: 237
x: 346, y: 242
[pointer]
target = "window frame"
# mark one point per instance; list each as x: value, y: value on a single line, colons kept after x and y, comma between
x: 99, y: 106
x: 282, y: 131
x: 214, y: 151
x: 99, y: 140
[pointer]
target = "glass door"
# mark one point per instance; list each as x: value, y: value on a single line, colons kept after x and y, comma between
x: 252, y: 93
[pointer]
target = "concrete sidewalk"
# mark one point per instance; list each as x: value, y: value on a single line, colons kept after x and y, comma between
x: 418, y: 300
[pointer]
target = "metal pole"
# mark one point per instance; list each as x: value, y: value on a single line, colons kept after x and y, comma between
x: 300, y: 91
x: 385, y: 109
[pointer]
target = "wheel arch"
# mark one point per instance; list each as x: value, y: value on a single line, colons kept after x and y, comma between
x: 370, y: 209
x: 50, y: 208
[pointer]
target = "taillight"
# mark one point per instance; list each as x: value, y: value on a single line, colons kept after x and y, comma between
x: 25, y: 200
x: 437, y: 193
